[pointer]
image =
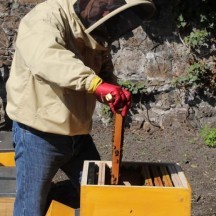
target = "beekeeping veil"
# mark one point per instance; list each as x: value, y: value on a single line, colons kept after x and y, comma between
x: 110, y: 19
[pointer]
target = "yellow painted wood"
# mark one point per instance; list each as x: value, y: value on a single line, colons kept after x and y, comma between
x: 59, y: 209
x: 7, y: 159
x: 6, y: 206
x: 134, y: 201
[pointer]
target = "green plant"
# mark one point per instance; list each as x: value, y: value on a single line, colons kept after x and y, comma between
x: 209, y: 136
x: 106, y: 111
x: 200, y: 75
x: 195, y: 21
x: 197, y: 38
x: 194, y: 76
x: 135, y: 87
x: 181, y: 23
x: 195, y: 24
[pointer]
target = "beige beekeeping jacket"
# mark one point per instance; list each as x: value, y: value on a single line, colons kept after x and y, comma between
x: 53, y: 66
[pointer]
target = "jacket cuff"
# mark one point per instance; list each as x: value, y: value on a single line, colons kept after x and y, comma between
x: 96, y: 81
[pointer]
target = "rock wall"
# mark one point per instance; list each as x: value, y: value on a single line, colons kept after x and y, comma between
x: 153, y: 53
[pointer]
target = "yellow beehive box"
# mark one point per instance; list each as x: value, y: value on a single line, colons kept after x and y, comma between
x: 150, y: 189
x: 7, y: 159
x: 6, y: 149
x: 59, y: 209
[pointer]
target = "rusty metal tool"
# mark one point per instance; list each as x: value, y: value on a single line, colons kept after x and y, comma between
x: 117, y: 148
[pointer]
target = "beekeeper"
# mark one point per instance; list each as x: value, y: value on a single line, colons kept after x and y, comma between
x: 62, y: 64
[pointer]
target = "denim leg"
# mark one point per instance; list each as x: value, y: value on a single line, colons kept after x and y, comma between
x: 38, y: 156
x: 83, y: 149
x: 68, y: 192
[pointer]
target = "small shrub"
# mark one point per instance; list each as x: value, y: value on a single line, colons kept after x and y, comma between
x: 209, y: 136
x: 199, y: 76
x: 106, y: 111
x: 135, y: 87
x: 197, y: 38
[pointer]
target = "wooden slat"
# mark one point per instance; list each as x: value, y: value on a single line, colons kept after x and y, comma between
x: 181, y: 176
x: 101, y: 173
x: 117, y: 145
x: 156, y: 176
x: 165, y: 177
x: 6, y: 206
x: 175, y: 178
x: 107, y: 171
x: 126, y: 183
x: 85, y: 173
x: 147, y: 177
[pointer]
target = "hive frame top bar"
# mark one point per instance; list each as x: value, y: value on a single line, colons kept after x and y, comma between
x: 176, y: 174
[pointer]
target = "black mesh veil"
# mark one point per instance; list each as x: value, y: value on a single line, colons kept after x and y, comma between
x: 91, y: 11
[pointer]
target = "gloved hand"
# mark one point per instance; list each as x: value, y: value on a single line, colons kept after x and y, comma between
x: 119, y: 98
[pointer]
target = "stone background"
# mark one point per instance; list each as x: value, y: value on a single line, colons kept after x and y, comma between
x: 153, y: 53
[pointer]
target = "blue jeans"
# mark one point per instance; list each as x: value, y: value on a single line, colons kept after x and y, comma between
x: 38, y: 157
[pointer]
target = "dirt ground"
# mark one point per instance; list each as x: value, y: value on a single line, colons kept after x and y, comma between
x: 182, y: 146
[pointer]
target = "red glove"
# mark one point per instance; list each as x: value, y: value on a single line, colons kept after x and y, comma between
x: 120, y: 98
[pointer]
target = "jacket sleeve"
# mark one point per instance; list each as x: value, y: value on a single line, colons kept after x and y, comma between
x: 42, y: 45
